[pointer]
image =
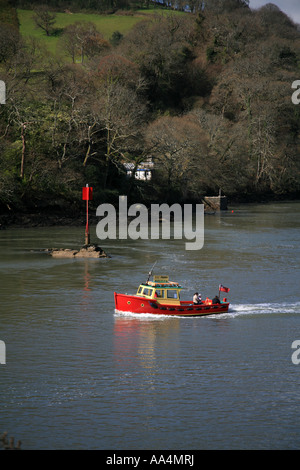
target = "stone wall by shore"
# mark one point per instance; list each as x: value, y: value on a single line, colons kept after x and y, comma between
x: 215, y: 203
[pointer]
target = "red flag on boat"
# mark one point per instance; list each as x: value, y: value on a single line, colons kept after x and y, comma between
x: 223, y: 289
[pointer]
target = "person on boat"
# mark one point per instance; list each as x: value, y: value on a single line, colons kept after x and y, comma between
x: 199, y: 299
x: 196, y: 298
x: 216, y: 300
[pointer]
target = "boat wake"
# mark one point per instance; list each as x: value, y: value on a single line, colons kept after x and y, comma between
x: 265, y: 308
x: 142, y: 316
x: 235, y: 310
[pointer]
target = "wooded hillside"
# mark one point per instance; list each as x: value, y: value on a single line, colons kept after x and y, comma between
x: 206, y: 95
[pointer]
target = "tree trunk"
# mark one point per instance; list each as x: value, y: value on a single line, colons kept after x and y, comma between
x: 23, y: 130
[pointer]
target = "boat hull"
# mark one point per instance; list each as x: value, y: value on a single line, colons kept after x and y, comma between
x: 139, y: 305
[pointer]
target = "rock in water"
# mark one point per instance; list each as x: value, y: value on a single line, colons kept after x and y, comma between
x: 87, y: 251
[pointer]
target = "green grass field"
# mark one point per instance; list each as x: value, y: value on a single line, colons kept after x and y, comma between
x: 106, y: 24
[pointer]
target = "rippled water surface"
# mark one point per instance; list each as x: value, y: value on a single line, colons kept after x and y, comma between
x: 79, y: 376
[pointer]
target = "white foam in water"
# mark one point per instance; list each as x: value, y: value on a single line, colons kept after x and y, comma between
x: 234, y: 311
x: 142, y: 316
x: 264, y: 308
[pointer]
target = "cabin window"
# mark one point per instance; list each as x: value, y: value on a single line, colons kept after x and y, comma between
x: 147, y: 291
x: 159, y: 293
x: 140, y: 290
x: 172, y: 294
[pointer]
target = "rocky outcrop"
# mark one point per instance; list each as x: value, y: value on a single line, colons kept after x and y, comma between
x: 87, y: 251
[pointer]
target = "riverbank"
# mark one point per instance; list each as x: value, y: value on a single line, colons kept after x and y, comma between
x: 62, y: 218
x: 32, y: 220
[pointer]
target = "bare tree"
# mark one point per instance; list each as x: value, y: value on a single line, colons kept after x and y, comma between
x: 82, y: 39
x: 44, y: 19
x: 10, y: 42
x: 179, y: 150
x: 122, y: 115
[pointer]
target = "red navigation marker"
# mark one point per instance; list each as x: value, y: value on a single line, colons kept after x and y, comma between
x: 87, y: 195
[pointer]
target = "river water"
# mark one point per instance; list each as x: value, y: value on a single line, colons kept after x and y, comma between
x: 79, y: 376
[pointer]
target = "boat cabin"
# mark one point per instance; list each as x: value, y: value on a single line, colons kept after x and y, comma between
x: 161, y: 290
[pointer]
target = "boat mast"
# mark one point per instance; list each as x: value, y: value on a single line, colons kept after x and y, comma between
x: 150, y: 272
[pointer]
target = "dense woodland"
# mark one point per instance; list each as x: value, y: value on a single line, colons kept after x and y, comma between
x: 205, y: 94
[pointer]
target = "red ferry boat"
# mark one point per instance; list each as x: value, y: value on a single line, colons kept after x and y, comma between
x: 162, y: 297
